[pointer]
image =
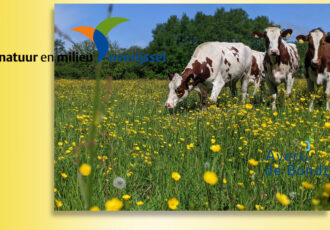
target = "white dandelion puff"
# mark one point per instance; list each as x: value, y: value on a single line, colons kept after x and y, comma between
x: 292, y: 195
x: 119, y: 183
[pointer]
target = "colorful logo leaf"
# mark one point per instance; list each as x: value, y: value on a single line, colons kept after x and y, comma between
x: 98, y: 35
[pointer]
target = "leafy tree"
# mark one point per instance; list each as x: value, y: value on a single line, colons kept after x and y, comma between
x: 179, y: 37
x: 59, y: 47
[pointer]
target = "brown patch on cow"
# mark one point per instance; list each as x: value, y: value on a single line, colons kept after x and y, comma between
x: 229, y: 75
x: 235, y: 52
x: 255, y: 68
x: 223, y: 52
x: 227, y: 62
x: 209, y: 62
x: 233, y: 48
x: 325, y: 59
x: 237, y: 59
x: 195, y: 75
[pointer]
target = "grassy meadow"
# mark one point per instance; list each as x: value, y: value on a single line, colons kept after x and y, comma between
x: 185, y: 159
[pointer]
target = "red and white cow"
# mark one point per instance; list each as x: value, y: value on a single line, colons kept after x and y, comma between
x: 317, y: 63
x: 281, y: 59
x: 257, y: 74
x: 212, y: 66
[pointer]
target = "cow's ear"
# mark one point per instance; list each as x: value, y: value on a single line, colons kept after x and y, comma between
x: 286, y: 33
x: 327, y: 39
x: 258, y: 34
x: 302, y: 38
x: 170, y: 76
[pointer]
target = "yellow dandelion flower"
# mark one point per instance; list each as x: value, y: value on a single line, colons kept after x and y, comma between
x: 327, y: 125
x: 249, y: 106
x: 240, y: 207
x: 259, y: 207
x: 94, y: 208
x: 55, y: 189
x: 283, y: 199
x: 307, y: 185
x: 113, y: 205
x: 176, y: 176
x: 139, y: 203
x: 240, y: 184
x: 58, y: 203
x: 173, y: 203
x: 126, y: 197
x: 275, y: 114
x: 212, y: 140
x: 210, y: 178
x: 215, y: 148
x: 326, y: 188
x: 64, y: 175
x: 224, y: 181
x: 191, y: 145
x: 85, y: 169
x: 60, y: 143
x: 253, y: 162
x: 315, y: 201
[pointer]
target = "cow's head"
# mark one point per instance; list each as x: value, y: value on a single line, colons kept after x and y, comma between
x: 273, y: 37
x: 179, y: 87
x: 316, y: 40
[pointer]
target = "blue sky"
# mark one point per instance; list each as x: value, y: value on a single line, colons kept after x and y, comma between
x: 144, y: 18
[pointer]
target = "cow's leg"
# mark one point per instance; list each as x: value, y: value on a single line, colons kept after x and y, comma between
x: 218, y: 84
x: 256, y: 86
x: 245, y: 85
x: 233, y: 89
x: 311, y: 89
x: 262, y: 86
x: 203, y: 95
x: 326, y: 87
x: 273, y: 92
x: 289, y: 83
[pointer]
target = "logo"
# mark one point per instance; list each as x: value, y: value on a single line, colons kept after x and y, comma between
x: 98, y: 35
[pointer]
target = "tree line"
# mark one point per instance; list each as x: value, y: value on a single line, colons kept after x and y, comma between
x: 178, y: 37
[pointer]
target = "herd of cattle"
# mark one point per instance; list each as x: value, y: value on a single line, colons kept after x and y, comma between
x: 218, y: 64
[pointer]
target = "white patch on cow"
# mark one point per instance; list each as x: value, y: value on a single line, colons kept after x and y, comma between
x: 273, y: 34
x: 316, y: 36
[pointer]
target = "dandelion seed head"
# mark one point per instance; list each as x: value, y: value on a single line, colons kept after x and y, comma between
x: 119, y: 183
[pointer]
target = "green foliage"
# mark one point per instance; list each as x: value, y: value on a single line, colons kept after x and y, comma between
x: 302, y: 48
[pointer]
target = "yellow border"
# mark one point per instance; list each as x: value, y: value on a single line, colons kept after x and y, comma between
x: 26, y: 140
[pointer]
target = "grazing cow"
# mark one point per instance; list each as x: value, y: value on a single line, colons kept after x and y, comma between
x: 281, y: 59
x: 257, y: 74
x: 212, y: 66
x: 317, y: 63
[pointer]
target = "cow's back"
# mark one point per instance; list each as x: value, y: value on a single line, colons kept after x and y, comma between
x: 230, y: 60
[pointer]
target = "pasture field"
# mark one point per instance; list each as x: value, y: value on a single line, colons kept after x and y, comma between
x: 164, y: 154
